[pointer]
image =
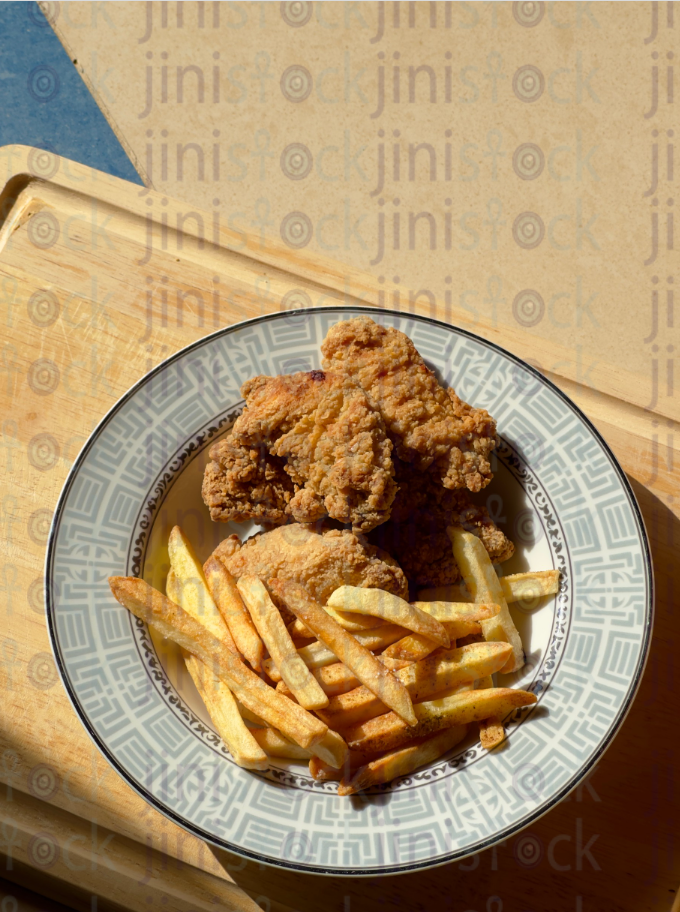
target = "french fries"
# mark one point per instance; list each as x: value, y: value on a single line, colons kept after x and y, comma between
x: 316, y: 655
x: 384, y: 733
x: 346, y: 647
x: 414, y: 647
x: 481, y: 579
x: 218, y: 699
x: 332, y: 749
x: 336, y: 679
x: 273, y: 744
x: 458, y: 612
x: 171, y: 621
x: 223, y: 711
x: 377, y: 716
x: 528, y: 586
x: 351, y: 622
x: 391, y: 608
x: 323, y: 772
x: 402, y: 761
x: 191, y: 589
x: 270, y: 626
x: 422, y: 680
x: 229, y: 603
x: 491, y: 731
x: 531, y: 585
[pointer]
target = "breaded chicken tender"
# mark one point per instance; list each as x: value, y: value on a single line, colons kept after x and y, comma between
x: 430, y: 426
x: 245, y: 482
x: 331, y: 441
x: 319, y: 561
x: 416, y: 532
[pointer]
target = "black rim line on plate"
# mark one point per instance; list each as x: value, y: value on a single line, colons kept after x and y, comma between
x: 134, y: 628
x: 387, y: 869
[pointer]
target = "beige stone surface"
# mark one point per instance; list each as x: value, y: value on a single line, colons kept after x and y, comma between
x: 428, y: 105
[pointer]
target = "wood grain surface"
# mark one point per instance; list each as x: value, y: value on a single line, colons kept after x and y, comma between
x: 96, y: 288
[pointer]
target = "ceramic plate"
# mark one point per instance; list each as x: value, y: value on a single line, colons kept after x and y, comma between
x: 558, y: 493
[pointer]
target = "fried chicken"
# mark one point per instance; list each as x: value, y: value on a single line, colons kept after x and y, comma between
x: 330, y: 441
x: 319, y: 561
x: 416, y: 533
x: 430, y: 426
x: 245, y: 482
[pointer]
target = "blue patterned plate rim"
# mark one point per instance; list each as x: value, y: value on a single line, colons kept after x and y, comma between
x: 388, y: 869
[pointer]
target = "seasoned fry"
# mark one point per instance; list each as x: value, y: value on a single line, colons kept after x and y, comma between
x: 226, y: 596
x: 250, y: 716
x: 389, y: 731
x: 351, y: 622
x: 422, y: 680
x: 458, y: 612
x: 414, y: 647
x: 184, y: 596
x: 171, y: 621
x: 530, y: 588
x: 191, y: 589
x: 402, y: 761
x: 491, y: 731
x: 534, y: 584
x: 270, y: 626
x: 482, y: 581
x: 347, y: 648
x: 275, y: 745
x: 223, y: 711
x: 298, y: 631
x: 389, y: 607
x: 323, y: 772
x: 316, y: 655
x: 332, y: 749
x: 336, y: 679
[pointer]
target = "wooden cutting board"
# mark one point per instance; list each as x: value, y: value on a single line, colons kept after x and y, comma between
x: 99, y: 281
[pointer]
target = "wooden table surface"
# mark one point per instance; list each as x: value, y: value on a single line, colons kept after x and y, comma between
x: 84, y: 316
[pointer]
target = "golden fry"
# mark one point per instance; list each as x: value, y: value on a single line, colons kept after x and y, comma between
x: 491, y: 731
x: 267, y: 619
x: 530, y: 588
x: 223, y: 711
x: 458, y: 612
x: 317, y: 655
x: 391, y: 608
x: 422, y: 680
x: 332, y: 749
x: 347, y: 648
x: 171, y: 621
x: 226, y: 596
x: 414, y: 647
x: 351, y: 622
x: 389, y: 731
x: 323, y: 772
x: 275, y: 745
x: 533, y: 584
x: 191, y: 589
x: 402, y: 761
x: 481, y: 579
x: 336, y: 679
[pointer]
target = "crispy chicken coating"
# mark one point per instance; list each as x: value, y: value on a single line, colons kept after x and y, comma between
x: 429, y: 425
x: 416, y: 533
x: 332, y: 443
x: 320, y: 561
x: 245, y: 482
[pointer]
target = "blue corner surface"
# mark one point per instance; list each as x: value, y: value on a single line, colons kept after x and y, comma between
x: 43, y: 100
